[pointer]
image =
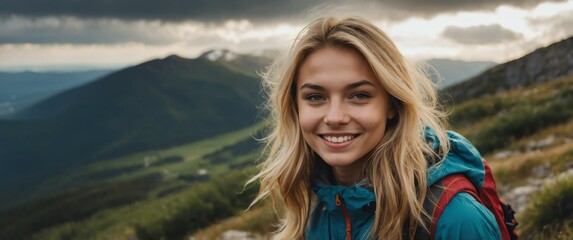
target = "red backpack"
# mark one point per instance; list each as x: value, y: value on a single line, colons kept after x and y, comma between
x: 443, y: 191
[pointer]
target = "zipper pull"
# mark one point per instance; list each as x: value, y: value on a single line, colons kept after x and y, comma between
x: 346, y: 217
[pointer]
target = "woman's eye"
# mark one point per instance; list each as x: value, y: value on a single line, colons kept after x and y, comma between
x: 360, y: 96
x: 314, y: 98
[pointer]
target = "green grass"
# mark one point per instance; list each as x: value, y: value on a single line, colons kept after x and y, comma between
x: 550, y: 212
x: 155, y: 206
x: 192, y: 154
x: 75, y: 205
x: 495, y: 122
x: 175, y: 215
x: 557, y: 157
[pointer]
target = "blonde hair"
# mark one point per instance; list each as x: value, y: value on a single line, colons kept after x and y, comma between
x: 396, y: 167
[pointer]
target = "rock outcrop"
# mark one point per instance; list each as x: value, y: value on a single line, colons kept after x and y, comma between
x: 542, y: 65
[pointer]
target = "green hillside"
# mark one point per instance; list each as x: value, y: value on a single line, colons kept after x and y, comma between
x: 157, y: 104
x: 494, y: 122
x: 152, y: 194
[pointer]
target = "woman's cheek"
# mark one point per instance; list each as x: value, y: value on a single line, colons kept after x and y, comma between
x: 307, y: 118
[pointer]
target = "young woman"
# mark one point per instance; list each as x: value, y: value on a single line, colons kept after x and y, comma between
x: 357, y: 139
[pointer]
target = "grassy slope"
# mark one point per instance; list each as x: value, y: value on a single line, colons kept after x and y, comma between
x: 123, y: 222
x: 494, y: 122
x: 192, y: 160
x: 119, y: 194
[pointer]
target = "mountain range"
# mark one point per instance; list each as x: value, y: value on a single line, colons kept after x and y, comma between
x: 163, y: 102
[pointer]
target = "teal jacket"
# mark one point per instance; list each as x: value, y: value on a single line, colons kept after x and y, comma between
x: 463, y: 218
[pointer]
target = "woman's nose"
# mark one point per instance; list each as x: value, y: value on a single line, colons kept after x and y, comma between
x: 336, y: 115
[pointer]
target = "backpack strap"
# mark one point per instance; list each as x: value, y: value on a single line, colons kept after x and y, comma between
x: 453, y: 184
x: 443, y: 191
x: 438, y: 197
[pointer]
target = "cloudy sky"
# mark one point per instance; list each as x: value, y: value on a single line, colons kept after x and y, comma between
x: 63, y: 34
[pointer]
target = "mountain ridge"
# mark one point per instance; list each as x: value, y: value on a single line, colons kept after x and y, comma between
x: 542, y: 65
x: 159, y: 103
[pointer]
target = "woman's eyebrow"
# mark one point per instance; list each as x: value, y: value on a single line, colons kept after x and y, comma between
x: 312, y: 86
x: 358, y: 84
x: 348, y: 87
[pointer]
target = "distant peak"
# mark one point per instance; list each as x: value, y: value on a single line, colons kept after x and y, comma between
x: 219, y: 54
x: 173, y: 57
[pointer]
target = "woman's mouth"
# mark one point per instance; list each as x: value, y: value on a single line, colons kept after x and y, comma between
x: 338, y: 139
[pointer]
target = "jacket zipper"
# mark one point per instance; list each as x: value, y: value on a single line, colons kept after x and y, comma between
x: 340, y: 204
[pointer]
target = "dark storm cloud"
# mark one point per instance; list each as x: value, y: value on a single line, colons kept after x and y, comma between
x: 255, y: 10
x: 170, y: 10
x: 484, y: 34
x: 121, y: 21
x: 69, y: 30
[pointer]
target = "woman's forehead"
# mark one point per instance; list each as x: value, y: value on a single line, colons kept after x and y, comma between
x: 329, y: 65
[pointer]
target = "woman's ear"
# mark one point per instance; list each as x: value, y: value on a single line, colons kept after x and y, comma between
x: 392, y: 108
x: 391, y: 112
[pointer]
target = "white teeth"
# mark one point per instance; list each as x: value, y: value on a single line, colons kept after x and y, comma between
x: 338, y: 139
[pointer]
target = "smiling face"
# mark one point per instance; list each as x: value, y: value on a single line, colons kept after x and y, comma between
x: 342, y: 107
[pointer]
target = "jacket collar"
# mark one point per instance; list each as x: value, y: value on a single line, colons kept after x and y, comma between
x: 355, y: 197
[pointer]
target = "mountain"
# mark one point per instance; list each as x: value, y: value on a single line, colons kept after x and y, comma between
x: 160, y: 103
x: 455, y: 71
x: 23, y: 89
x: 247, y: 64
x: 542, y: 65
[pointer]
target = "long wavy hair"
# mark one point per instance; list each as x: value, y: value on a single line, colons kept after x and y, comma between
x: 396, y: 167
